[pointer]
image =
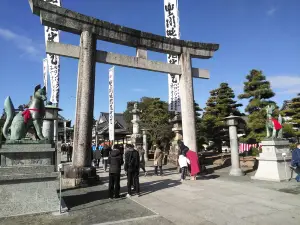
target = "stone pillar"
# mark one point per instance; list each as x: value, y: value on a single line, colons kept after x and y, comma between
x: 177, y: 129
x: 48, y: 129
x: 145, y: 144
x: 85, y: 101
x: 136, y: 137
x: 187, y: 101
x: 55, y: 131
x: 232, y: 122
x: 65, y: 131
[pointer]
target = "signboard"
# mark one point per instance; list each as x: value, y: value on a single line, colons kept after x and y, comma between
x: 52, y: 34
x: 172, y: 31
x: 111, y: 101
x: 45, y: 73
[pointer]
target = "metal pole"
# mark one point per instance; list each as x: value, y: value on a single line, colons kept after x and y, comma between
x: 59, y: 192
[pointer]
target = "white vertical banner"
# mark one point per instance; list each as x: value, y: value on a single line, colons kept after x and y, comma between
x: 172, y: 31
x: 52, y: 34
x: 45, y: 74
x: 111, y: 101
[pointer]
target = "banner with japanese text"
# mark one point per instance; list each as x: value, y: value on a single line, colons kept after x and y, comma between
x: 111, y: 101
x: 52, y: 34
x: 172, y: 31
x: 45, y: 74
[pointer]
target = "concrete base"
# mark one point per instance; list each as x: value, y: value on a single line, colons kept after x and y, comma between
x: 236, y: 172
x: 76, y: 176
x: 272, y: 165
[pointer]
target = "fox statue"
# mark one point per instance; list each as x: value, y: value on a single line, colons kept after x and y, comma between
x: 33, y: 115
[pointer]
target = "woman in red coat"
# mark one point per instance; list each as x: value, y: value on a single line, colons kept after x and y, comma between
x: 195, y: 168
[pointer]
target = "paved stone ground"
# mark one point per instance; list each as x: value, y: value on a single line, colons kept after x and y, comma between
x: 219, y: 199
x: 91, y: 205
x: 212, y: 199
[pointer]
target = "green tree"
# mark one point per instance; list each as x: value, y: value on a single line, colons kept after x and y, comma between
x: 258, y: 90
x: 292, y: 127
x: 219, y: 105
x: 199, y: 126
x: 155, y: 117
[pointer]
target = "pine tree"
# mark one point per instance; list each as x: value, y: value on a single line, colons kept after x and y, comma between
x: 220, y: 104
x: 292, y: 127
x: 258, y: 90
x: 199, y: 126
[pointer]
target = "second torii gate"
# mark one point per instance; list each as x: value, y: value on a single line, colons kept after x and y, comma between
x: 91, y: 29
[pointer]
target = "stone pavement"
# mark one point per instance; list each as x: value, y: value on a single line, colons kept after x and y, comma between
x: 216, y: 200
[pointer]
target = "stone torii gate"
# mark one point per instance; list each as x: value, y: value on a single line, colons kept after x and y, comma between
x: 91, y: 29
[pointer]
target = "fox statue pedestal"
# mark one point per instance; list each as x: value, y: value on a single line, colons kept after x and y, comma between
x: 274, y: 161
x: 28, y: 181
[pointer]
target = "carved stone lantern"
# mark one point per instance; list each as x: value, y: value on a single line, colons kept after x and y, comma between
x: 232, y: 122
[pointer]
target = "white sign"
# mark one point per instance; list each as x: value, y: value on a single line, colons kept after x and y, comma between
x: 111, y: 114
x: 172, y: 31
x: 52, y: 34
x: 45, y: 73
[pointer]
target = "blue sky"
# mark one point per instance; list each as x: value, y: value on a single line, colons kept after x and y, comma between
x: 257, y: 34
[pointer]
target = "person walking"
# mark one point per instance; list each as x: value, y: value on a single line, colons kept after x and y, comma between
x: 183, y: 163
x: 97, y: 156
x: 142, y: 159
x: 158, y: 159
x: 105, y: 154
x: 132, y: 168
x: 115, y: 160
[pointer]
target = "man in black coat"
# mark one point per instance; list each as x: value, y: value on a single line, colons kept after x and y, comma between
x: 115, y: 160
x: 132, y: 168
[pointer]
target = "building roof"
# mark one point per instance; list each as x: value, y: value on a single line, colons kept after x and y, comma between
x: 121, y: 126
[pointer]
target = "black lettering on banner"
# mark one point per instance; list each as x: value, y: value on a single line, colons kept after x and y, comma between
x: 174, y: 80
x: 51, y: 29
x: 52, y: 35
x: 53, y: 59
x: 52, y: 1
x: 171, y: 33
x: 173, y: 61
x: 171, y: 21
x: 169, y: 8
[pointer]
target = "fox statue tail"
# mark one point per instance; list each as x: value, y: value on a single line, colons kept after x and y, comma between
x: 10, y: 114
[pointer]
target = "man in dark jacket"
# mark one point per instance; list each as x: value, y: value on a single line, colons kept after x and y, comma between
x: 296, y: 160
x: 105, y: 154
x: 132, y: 168
x: 115, y: 160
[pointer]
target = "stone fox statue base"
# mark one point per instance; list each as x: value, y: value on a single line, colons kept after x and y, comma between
x: 20, y: 122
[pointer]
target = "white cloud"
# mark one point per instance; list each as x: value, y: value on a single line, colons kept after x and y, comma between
x: 285, y: 84
x: 138, y: 90
x: 29, y: 48
x: 271, y: 11
x: 284, y: 81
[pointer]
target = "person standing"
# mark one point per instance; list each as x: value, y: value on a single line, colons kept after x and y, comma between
x: 194, y: 159
x: 142, y: 159
x: 295, y: 162
x: 115, y: 160
x: 105, y: 154
x: 183, y: 163
x: 69, y: 152
x: 97, y: 156
x: 158, y: 159
x: 132, y: 168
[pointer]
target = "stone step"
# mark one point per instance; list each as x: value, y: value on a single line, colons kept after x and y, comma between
x: 26, y: 170
x: 32, y: 176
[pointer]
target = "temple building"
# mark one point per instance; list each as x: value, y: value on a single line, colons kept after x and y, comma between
x: 101, y: 129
